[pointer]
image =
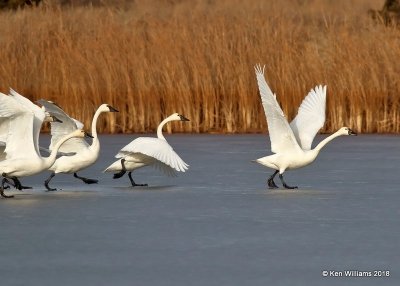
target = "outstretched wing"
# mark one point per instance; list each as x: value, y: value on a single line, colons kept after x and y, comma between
x: 280, y: 133
x: 59, y: 130
x: 310, y: 117
x: 158, y: 149
x: 37, y: 111
x: 19, y: 142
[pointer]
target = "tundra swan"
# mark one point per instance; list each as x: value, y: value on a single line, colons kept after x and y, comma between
x: 82, y: 154
x: 292, y: 143
x: 27, y: 166
x: 40, y: 116
x: 149, y: 151
x: 22, y: 159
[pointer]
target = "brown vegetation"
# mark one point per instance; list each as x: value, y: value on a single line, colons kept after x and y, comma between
x: 153, y: 58
x: 389, y: 14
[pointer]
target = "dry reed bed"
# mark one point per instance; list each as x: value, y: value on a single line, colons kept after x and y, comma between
x: 153, y: 58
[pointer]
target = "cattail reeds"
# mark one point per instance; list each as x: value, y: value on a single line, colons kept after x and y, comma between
x: 152, y: 58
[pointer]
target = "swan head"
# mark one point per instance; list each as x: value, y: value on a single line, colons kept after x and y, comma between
x: 178, y: 117
x: 347, y: 131
x: 51, y: 118
x: 80, y: 133
x: 107, y: 108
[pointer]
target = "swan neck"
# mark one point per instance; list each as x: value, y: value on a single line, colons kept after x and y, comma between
x: 52, y: 158
x: 160, y: 127
x: 327, y: 140
x: 94, y: 123
x: 95, y: 141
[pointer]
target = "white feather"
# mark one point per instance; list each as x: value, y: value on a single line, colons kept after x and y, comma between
x: 150, y: 151
x: 280, y: 133
x: 310, y: 117
x: 60, y: 129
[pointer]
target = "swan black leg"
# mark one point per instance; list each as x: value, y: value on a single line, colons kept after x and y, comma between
x: 86, y: 180
x: 18, y: 185
x: 271, y: 183
x: 133, y: 182
x: 8, y: 184
x: 2, y: 189
x: 46, y: 183
x: 122, y: 172
x: 284, y: 184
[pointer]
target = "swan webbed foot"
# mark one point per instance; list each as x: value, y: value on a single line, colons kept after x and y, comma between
x: 289, y: 187
x: 286, y: 186
x: 18, y: 185
x: 25, y: 188
x: 133, y: 182
x: 139, y: 185
x: 50, y: 189
x: 119, y: 174
x: 4, y: 195
x: 271, y: 183
x: 90, y: 181
x: 86, y: 180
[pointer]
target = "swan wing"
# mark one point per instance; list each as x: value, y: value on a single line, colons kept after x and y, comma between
x: 2, y: 148
x: 152, y: 162
x: 156, y: 148
x: 280, y: 133
x: 61, y: 129
x: 310, y: 117
x: 4, y: 125
x: 37, y: 111
x: 19, y: 142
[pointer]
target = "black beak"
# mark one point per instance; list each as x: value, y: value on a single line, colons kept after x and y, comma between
x: 55, y: 119
x: 88, y: 135
x: 112, y: 109
x: 183, y: 118
x: 351, y: 132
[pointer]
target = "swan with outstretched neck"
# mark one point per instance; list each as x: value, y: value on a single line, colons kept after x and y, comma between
x: 78, y: 153
x: 149, y: 151
x: 292, y: 143
x: 28, y: 166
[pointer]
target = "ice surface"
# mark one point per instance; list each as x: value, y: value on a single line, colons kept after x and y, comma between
x: 217, y: 225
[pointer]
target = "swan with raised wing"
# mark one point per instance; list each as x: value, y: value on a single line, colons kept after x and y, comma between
x: 149, y: 151
x: 22, y: 159
x: 80, y: 154
x: 40, y: 116
x: 292, y: 143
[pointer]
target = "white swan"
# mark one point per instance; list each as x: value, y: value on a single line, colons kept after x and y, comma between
x: 149, y: 151
x: 40, y: 116
x: 22, y: 159
x: 292, y: 143
x: 83, y: 154
x: 28, y: 166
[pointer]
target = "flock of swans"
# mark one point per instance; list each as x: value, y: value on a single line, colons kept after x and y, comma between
x: 21, y: 121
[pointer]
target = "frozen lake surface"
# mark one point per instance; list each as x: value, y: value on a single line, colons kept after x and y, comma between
x: 217, y: 225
